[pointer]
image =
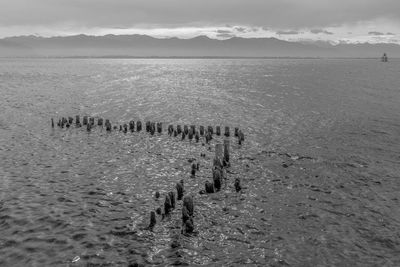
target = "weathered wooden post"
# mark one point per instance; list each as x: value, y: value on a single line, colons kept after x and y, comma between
x: 170, y: 129
x: 88, y: 126
x: 227, y: 132
x: 152, y: 220
x: 183, y: 135
x: 179, y: 190
x: 132, y: 126
x: 226, y: 152
x: 159, y: 127
x: 77, y: 120
x: 217, y: 178
x: 139, y: 126
x: 238, y: 187
x: 85, y: 120
x: 218, y: 130
x: 236, y: 131
x: 190, y: 134
x: 148, y: 126
x: 175, y: 133
x: 209, y: 187
x: 100, y: 121
x: 193, y: 172
x: 193, y: 127
x: 187, y: 214
x: 125, y: 128
x: 91, y: 120
x: 70, y: 120
x: 210, y: 130
x: 218, y: 160
x: 240, y: 137
x: 152, y: 128
x: 157, y: 195
x: 52, y: 123
x: 185, y: 129
x: 108, y: 125
x: 201, y: 130
x: 179, y: 129
x: 167, y: 205
x: 172, y: 198
x: 120, y: 128
x: 197, y: 136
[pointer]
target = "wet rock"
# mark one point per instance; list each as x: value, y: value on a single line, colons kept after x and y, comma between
x: 284, y: 165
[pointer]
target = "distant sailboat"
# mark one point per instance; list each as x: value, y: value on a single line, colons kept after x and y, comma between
x: 384, y: 58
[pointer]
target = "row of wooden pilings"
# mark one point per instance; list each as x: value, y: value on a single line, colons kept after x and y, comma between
x: 221, y: 161
x: 151, y: 127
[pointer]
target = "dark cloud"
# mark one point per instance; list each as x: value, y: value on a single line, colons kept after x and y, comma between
x: 317, y: 31
x: 287, y: 32
x: 177, y: 13
x: 390, y: 33
x: 376, y: 33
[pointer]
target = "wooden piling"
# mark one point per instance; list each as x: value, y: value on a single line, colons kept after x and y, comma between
x: 132, y: 126
x: 159, y: 127
x: 193, y: 127
x: 227, y: 132
x: 179, y: 129
x: 237, y: 185
x: 172, y: 198
x: 138, y: 126
x: 179, y: 190
x: 70, y: 120
x: 236, y: 132
x: 218, y: 155
x: 175, y: 133
x: 167, y: 205
x: 52, y: 123
x: 209, y: 187
x: 210, y: 130
x: 85, y: 120
x: 218, y: 130
x: 217, y: 178
x: 91, y: 121
x: 226, y: 152
x: 186, y: 129
x: 77, y: 119
x: 188, y: 203
x: 125, y: 128
x: 152, y: 220
x: 191, y: 134
x: 197, y: 136
x: 100, y: 121
x: 201, y: 130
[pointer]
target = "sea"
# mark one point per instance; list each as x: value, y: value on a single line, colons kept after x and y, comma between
x: 319, y: 166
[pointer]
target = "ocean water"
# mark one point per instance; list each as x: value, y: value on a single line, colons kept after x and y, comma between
x: 320, y: 166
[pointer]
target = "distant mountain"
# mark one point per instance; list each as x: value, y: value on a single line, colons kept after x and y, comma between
x: 201, y: 46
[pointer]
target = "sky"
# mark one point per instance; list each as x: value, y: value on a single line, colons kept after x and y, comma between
x: 293, y: 20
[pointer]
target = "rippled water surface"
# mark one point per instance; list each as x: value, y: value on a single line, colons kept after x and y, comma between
x: 320, y: 164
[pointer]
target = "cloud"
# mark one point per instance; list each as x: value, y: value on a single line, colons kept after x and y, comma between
x: 376, y: 33
x: 317, y: 31
x: 225, y: 35
x: 390, y: 33
x: 179, y: 13
x: 287, y: 32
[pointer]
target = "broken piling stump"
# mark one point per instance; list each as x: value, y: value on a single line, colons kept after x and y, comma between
x: 85, y: 120
x: 185, y: 129
x: 52, y: 123
x: 201, y: 130
x: 167, y: 205
x: 77, y: 120
x: 236, y: 132
x: 226, y: 152
x: 132, y: 126
x: 100, y: 121
x: 139, y: 126
x: 179, y: 129
x: 218, y: 130
x: 172, y: 198
x: 237, y: 185
x: 210, y: 130
x: 227, y: 132
x: 179, y: 190
x: 152, y: 220
x: 209, y: 187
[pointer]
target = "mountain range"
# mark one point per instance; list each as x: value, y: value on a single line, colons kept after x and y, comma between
x: 201, y: 46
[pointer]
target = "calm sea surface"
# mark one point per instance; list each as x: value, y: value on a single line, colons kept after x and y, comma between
x: 320, y: 164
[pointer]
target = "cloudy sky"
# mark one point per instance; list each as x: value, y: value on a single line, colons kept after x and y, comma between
x: 333, y: 20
